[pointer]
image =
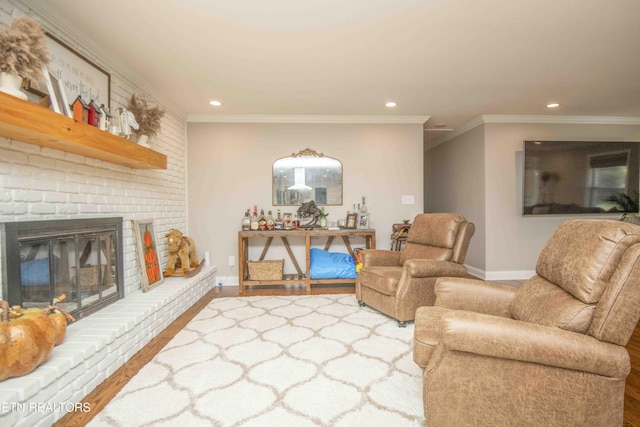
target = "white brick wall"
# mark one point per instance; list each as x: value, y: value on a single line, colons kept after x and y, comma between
x: 40, y: 184
x: 95, y: 347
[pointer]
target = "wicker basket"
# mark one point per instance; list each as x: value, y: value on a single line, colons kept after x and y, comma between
x: 266, y: 270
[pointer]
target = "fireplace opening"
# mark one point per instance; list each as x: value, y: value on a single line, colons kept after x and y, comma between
x: 80, y: 258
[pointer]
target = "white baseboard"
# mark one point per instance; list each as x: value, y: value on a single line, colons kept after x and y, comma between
x: 500, y: 275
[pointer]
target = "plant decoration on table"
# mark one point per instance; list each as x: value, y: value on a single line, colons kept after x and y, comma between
x: 148, y: 117
x: 23, y: 54
x: 629, y: 205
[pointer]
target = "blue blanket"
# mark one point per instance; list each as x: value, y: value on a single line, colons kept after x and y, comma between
x: 331, y: 265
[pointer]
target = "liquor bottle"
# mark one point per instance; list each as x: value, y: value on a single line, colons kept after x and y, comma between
x: 246, y: 221
x: 254, y: 219
x: 270, y: 222
x: 363, y: 220
x: 278, y: 222
x: 323, y: 219
x: 262, y: 222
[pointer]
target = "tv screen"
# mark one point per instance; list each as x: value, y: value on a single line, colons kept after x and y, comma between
x: 580, y: 177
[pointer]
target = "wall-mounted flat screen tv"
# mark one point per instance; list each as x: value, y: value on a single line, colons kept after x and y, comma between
x: 580, y: 177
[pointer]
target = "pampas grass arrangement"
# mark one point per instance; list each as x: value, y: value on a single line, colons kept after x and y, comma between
x: 147, y: 114
x: 23, y: 50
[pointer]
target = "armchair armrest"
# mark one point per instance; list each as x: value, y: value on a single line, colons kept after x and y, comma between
x: 475, y: 295
x: 528, y: 342
x: 380, y: 258
x: 433, y: 268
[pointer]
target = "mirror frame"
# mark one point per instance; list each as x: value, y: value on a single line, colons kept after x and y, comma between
x: 305, y: 153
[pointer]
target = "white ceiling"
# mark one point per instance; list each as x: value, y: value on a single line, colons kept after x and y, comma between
x: 452, y: 60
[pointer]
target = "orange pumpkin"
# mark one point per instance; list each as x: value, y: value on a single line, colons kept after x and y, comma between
x: 25, y: 342
x: 148, y: 239
x: 28, y: 336
x: 152, y: 265
x: 59, y: 322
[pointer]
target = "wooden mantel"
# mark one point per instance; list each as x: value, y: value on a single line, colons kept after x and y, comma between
x: 28, y: 122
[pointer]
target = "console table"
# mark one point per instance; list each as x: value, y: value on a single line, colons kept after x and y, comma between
x: 302, y: 277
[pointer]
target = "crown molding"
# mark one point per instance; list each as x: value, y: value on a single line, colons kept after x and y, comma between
x: 588, y: 120
x: 256, y: 118
x: 582, y: 120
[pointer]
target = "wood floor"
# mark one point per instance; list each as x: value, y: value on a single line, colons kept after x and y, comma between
x: 112, y: 385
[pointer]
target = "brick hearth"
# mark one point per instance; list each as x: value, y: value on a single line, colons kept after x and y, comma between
x: 94, y: 348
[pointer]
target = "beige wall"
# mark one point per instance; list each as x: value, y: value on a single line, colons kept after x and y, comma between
x: 512, y: 241
x: 454, y: 182
x: 229, y: 170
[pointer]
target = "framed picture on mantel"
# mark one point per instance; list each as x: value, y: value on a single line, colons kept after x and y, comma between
x: 59, y: 97
x: 78, y: 75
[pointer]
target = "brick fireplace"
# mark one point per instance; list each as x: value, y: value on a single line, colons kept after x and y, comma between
x: 80, y: 258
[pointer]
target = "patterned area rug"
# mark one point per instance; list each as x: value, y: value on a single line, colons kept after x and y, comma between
x: 316, y: 360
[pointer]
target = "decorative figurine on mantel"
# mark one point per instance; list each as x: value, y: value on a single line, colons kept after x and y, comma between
x: 80, y: 110
x: 182, y: 255
x: 148, y: 117
x: 310, y: 210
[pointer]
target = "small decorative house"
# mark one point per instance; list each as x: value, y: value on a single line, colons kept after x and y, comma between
x: 94, y: 114
x: 105, y: 117
x: 80, y: 110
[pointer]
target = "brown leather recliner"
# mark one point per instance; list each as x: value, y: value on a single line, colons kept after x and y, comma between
x: 550, y: 353
x: 396, y: 283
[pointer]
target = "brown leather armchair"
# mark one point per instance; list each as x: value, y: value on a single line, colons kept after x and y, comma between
x: 550, y: 353
x: 396, y: 283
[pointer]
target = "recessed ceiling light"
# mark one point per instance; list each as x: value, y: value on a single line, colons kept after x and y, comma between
x: 390, y: 104
x: 215, y: 103
x: 553, y: 105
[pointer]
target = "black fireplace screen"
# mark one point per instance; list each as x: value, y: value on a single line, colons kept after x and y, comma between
x: 81, y: 259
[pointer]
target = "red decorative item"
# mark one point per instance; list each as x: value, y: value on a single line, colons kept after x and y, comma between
x: 151, y: 258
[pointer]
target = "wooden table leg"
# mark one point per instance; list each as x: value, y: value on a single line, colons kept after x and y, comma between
x: 266, y: 248
x: 345, y: 239
x: 328, y: 244
x: 370, y: 242
x: 242, y: 263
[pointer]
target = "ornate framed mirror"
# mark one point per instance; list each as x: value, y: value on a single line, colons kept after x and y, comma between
x: 305, y: 176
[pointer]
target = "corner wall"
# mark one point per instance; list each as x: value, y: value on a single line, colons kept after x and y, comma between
x: 455, y: 182
x: 512, y: 242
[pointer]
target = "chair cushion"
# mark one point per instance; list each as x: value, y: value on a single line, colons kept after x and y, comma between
x: 381, y: 279
x: 581, y: 256
x: 432, y: 236
x: 415, y: 251
x: 539, y: 301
